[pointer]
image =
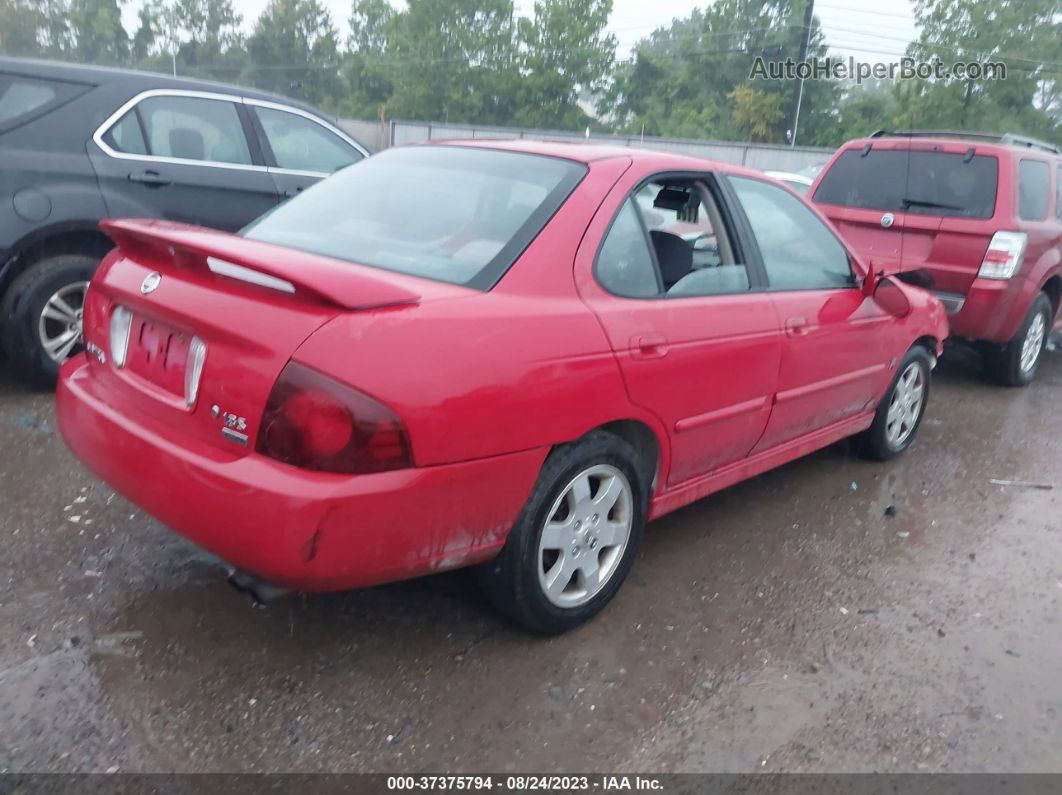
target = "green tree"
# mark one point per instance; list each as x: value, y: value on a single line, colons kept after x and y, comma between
x: 294, y: 50
x: 366, y: 67
x: 680, y: 79
x: 209, y: 38
x: 21, y: 24
x: 755, y: 112
x: 564, y: 52
x: 453, y: 60
x: 97, y: 32
x: 1026, y: 35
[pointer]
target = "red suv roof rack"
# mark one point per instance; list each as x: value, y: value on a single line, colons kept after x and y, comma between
x: 1007, y: 139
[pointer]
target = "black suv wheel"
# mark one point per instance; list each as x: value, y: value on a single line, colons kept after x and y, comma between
x: 41, y: 314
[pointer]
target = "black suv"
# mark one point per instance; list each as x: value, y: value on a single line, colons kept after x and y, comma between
x: 79, y: 144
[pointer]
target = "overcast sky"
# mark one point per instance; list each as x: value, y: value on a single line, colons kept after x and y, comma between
x: 880, y: 32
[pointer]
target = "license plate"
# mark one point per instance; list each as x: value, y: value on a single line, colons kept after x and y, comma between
x: 159, y: 354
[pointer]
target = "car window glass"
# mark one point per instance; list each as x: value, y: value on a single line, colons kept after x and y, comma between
x: 624, y: 264
x: 941, y: 184
x: 1033, y: 177
x: 126, y: 136
x: 1058, y: 193
x: 302, y: 144
x: 799, y: 252
x: 20, y: 96
x: 692, y: 253
x: 191, y: 128
x: 456, y: 214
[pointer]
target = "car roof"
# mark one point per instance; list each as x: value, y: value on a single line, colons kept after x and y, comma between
x: 978, y: 141
x: 135, y: 81
x: 589, y: 152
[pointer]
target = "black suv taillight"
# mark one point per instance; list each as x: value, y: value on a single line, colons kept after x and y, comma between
x: 314, y: 422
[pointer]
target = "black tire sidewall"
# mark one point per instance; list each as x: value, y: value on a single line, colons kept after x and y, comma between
x: 511, y: 580
x: 22, y: 309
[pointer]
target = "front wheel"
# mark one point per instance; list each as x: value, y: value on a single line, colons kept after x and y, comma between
x: 576, y: 538
x: 1016, y: 363
x: 900, y: 412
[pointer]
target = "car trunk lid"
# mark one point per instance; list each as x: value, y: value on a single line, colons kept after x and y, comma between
x: 248, y: 304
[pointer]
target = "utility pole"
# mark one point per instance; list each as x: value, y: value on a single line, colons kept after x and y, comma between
x: 798, y: 89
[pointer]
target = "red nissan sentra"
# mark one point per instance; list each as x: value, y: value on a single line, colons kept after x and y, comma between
x: 510, y: 354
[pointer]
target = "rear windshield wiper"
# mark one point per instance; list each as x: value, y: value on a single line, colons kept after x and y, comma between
x: 931, y: 205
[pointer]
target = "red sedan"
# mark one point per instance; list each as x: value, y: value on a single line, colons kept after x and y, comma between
x: 507, y: 354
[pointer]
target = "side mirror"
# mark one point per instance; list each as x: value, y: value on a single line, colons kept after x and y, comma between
x: 871, y: 281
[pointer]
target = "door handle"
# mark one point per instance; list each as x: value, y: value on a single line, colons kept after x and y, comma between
x: 648, y: 346
x: 152, y: 179
x: 796, y: 326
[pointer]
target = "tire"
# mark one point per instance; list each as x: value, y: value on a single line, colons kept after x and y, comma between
x: 1014, y: 364
x: 515, y: 582
x: 22, y: 310
x: 890, y: 435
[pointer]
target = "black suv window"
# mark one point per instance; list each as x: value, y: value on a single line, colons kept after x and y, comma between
x: 22, y: 97
x: 302, y: 144
x: 798, y: 251
x: 1058, y: 193
x: 187, y: 128
x: 1033, y: 178
x: 925, y: 183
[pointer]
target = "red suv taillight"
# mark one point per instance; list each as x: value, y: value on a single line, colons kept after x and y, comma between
x: 313, y: 422
x: 1003, y: 258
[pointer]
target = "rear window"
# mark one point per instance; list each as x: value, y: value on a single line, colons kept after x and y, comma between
x: 453, y: 214
x: 21, y: 98
x: 923, y: 183
x: 1033, y: 190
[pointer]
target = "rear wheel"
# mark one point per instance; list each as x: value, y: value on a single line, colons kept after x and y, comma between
x: 1016, y: 363
x: 900, y: 412
x: 575, y: 539
x: 41, y: 315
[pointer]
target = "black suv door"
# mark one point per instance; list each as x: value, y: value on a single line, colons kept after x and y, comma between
x: 183, y: 156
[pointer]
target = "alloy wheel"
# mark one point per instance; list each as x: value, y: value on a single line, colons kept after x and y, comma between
x: 1033, y: 343
x: 585, y: 536
x: 905, y: 407
x: 60, y: 327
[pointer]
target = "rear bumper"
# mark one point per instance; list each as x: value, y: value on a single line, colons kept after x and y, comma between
x: 295, y: 528
x: 991, y: 310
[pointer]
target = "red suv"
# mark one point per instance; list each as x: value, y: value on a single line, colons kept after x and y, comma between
x: 976, y: 218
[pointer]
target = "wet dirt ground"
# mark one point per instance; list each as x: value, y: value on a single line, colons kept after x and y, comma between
x: 787, y: 624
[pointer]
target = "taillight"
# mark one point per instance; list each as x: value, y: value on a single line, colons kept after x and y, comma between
x: 313, y: 422
x: 1004, y: 255
x: 121, y: 323
x: 193, y: 370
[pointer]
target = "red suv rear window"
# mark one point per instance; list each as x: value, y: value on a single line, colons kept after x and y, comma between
x: 925, y: 183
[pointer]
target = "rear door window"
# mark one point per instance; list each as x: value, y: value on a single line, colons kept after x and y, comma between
x: 302, y: 144
x: 1033, y: 189
x: 185, y: 128
x: 23, y: 98
x: 939, y: 184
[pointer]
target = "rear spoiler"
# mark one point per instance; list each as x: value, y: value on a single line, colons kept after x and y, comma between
x: 344, y: 284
